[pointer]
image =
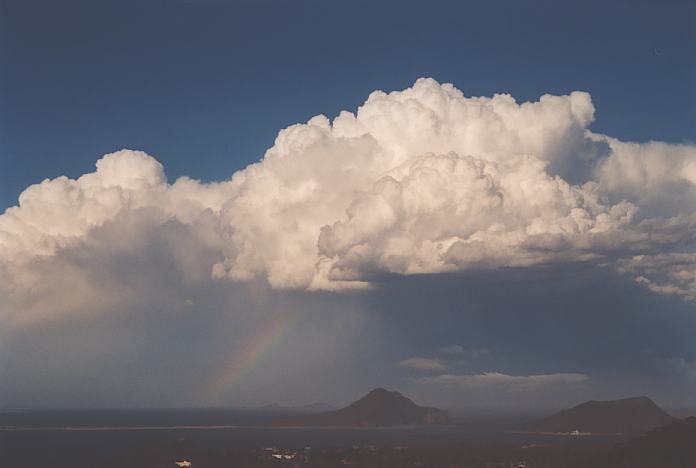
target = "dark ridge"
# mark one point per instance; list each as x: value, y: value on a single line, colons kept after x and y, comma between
x: 671, y: 446
x: 628, y: 416
x: 378, y: 408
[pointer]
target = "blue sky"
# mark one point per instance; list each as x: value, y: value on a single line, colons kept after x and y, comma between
x: 141, y: 301
x: 206, y: 85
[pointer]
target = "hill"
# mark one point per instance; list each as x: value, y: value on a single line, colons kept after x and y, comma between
x: 627, y: 416
x: 671, y: 446
x: 378, y: 408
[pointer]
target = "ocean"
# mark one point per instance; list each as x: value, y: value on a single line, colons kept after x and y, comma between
x: 91, y: 438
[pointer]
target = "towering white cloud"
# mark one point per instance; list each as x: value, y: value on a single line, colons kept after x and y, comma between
x: 422, y: 180
x: 61, y: 212
x: 660, y: 177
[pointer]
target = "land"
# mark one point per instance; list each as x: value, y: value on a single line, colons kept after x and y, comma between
x: 149, y: 442
x: 379, y: 408
x: 627, y: 416
x: 669, y: 447
x: 103, y: 450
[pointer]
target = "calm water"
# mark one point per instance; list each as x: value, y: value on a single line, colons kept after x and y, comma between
x: 73, y: 438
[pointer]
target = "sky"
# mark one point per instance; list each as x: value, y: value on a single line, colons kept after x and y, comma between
x: 213, y: 203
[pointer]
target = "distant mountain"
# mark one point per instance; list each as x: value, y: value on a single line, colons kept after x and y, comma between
x: 378, y: 408
x: 628, y: 416
x: 671, y: 446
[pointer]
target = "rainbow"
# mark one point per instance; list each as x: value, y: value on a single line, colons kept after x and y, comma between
x: 253, y: 351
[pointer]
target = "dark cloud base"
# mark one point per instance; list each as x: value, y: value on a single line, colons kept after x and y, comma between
x: 557, y: 320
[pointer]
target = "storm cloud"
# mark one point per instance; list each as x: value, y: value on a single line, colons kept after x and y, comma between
x: 121, y: 269
x: 424, y: 180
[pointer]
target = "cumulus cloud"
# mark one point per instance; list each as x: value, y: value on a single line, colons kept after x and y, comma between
x: 670, y: 273
x: 659, y: 177
x: 422, y: 364
x: 450, y: 357
x: 497, y: 379
x: 422, y: 180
